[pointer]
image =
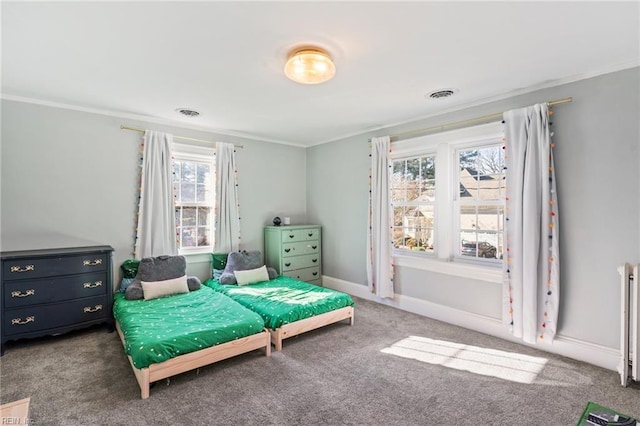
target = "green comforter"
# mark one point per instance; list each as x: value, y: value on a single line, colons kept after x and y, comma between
x: 284, y: 300
x: 160, y: 329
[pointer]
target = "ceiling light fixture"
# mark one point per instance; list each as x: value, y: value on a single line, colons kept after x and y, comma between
x: 310, y: 65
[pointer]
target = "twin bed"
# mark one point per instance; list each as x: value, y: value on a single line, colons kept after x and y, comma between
x: 288, y: 306
x: 167, y: 336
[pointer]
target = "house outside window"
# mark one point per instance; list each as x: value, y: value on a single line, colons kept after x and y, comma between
x: 479, y: 207
x: 413, y: 197
x: 452, y: 214
x: 194, y: 194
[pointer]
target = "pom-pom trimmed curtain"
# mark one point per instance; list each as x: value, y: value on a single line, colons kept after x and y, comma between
x: 531, y: 264
x: 380, y: 232
x: 227, y: 234
x: 155, y: 233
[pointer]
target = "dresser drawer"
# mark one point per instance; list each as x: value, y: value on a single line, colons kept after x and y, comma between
x: 300, y: 248
x: 299, y: 262
x: 33, y: 292
x: 308, y: 274
x: 293, y: 235
x: 24, y: 320
x: 52, y: 266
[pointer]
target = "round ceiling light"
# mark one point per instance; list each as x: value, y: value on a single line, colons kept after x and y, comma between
x: 310, y: 66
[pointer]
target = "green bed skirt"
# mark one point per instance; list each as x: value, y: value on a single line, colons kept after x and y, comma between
x: 284, y: 300
x: 160, y: 329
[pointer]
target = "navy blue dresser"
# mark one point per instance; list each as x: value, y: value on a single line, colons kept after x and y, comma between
x: 53, y: 291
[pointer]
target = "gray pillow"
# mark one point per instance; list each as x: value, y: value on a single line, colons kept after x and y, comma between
x: 243, y: 261
x: 159, y: 268
x: 134, y: 290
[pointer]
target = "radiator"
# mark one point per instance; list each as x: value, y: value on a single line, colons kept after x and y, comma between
x: 630, y: 328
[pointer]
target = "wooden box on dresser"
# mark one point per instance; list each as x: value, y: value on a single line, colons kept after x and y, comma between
x: 55, y: 290
x: 295, y: 251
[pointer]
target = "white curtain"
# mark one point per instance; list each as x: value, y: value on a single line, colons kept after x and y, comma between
x: 531, y: 286
x: 379, y: 237
x: 156, y: 230
x: 227, y: 235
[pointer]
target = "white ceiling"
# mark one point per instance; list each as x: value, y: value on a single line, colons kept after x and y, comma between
x: 225, y: 59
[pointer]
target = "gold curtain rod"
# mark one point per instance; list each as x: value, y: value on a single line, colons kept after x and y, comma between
x: 471, y: 120
x: 186, y: 138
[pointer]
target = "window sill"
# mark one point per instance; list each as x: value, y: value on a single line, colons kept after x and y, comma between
x: 197, y: 257
x: 476, y: 272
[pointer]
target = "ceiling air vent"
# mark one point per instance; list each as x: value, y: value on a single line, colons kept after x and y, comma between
x: 441, y: 94
x: 187, y: 112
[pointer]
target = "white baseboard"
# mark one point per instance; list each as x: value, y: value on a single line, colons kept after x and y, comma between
x: 592, y: 353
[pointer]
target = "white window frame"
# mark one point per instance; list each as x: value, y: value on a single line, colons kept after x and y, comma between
x: 184, y: 152
x: 415, y: 203
x: 446, y: 258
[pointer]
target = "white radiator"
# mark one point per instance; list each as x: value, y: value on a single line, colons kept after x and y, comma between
x: 630, y: 327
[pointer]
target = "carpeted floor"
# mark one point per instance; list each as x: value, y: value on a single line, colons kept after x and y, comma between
x: 390, y: 368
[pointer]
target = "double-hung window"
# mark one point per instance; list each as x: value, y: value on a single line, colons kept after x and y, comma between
x: 194, y: 191
x: 454, y: 212
x: 413, y: 198
x: 479, y: 205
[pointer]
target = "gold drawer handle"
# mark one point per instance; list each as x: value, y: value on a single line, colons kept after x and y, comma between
x: 94, y: 285
x: 18, y: 321
x: 27, y: 268
x: 90, y: 263
x: 18, y: 293
x: 89, y: 309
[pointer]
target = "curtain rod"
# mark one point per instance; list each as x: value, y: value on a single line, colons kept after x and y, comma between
x: 471, y: 120
x: 141, y: 130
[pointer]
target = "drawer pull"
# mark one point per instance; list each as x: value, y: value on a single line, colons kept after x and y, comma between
x: 89, y: 309
x: 291, y: 235
x: 92, y: 263
x: 287, y: 250
x: 315, y: 273
x: 314, y: 247
x: 310, y: 234
x: 92, y: 285
x: 27, y: 293
x: 27, y: 268
x: 287, y: 264
x: 19, y: 321
x: 314, y: 260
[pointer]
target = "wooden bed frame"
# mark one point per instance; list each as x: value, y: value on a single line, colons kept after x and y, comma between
x: 308, y: 324
x: 190, y: 361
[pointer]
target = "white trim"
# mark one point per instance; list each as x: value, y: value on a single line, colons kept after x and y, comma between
x: 581, y: 350
x: 426, y: 145
x: 444, y: 147
x: 193, y: 258
x: 198, y: 152
x: 145, y: 118
x: 482, y: 273
x: 481, y: 101
x: 377, y: 130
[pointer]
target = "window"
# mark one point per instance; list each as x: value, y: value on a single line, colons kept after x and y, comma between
x: 413, y: 187
x: 479, y: 207
x: 455, y: 211
x: 194, y: 190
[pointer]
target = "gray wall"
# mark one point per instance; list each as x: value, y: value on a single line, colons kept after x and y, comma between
x: 73, y: 174
x: 597, y: 156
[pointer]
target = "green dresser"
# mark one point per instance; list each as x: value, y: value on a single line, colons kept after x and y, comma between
x: 295, y: 251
